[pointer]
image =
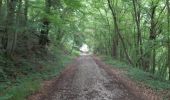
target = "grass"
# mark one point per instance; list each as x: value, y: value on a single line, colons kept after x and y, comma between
x: 20, y: 90
x: 23, y: 86
x: 146, y: 78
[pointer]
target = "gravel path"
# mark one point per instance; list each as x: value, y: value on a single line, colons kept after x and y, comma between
x: 89, y: 82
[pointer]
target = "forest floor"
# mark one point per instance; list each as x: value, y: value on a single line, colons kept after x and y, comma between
x: 88, y: 78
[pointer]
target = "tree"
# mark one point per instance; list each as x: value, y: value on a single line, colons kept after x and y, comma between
x: 118, y: 32
x: 11, y: 35
x: 168, y: 30
x: 137, y: 17
x: 139, y: 30
x: 44, y: 40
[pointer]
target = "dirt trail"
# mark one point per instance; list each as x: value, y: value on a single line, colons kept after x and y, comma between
x: 87, y: 81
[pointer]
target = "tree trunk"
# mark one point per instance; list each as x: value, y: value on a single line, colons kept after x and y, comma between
x: 19, y: 14
x: 0, y: 6
x: 44, y: 40
x: 25, y: 12
x: 153, y: 37
x: 44, y: 33
x: 139, y: 50
x: 10, y: 22
x: 114, y: 45
x: 150, y: 60
x: 118, y: 32
x: 168, y: 18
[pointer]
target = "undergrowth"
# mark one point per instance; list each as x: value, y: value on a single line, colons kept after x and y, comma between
x: 30, y: 74
x: 140, y: 76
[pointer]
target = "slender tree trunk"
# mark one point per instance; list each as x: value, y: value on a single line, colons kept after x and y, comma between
x: 114, y: 40
x: 153, y: 59
x: 152, y: 38
x: 44, y: 40
x: 25, y: 12
x: 10, y: 22
x: 19, y: 13
x: 168, y: 18
x: 139, y: 50
x: 114, y: 44
x: 118, y: 32
x: 0, y: 6
x: 1, y: 33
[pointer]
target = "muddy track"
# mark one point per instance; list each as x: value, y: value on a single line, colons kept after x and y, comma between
x: 87, y: 81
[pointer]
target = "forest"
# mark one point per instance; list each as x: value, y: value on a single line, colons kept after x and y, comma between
x: 38, y: 33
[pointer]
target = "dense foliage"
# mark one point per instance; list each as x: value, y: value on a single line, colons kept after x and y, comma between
x: 36, y: 37
x: 34, y: 27
x: 136, y: 31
